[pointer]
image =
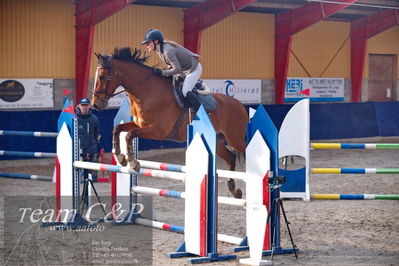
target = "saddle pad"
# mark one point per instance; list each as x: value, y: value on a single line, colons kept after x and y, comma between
x: 208, y: 101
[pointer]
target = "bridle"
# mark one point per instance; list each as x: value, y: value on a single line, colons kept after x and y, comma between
x: 107, y: 65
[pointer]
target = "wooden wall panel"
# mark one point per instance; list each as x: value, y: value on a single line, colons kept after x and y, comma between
x: 239, y: 47
x: 37, y: 39
x: 322, y: 50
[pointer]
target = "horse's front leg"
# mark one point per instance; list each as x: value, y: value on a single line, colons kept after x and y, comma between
x: 132, y: 161
x: 116, y: 149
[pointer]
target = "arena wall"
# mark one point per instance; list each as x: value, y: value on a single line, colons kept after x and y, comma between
x: 327, y: 121
x: 39, y: 42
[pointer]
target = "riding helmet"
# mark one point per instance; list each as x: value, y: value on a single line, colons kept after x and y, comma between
x: 153, y: 35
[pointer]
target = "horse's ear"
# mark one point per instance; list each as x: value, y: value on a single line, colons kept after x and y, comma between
x: 99, y: 57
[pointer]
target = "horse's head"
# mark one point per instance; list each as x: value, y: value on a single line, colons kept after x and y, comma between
x: 105, y: 82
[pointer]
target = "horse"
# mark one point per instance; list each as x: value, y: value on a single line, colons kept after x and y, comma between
x: 154, y: 110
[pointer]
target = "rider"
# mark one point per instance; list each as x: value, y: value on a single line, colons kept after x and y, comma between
x: 180, y: 61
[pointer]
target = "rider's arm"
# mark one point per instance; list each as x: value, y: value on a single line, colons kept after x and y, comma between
x: 175, y: 67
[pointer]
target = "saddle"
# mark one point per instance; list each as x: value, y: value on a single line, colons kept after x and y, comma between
x: 200, y: 91
x: 203, y: 96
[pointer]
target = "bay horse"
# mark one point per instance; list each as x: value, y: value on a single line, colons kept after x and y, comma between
x: 155, y: 111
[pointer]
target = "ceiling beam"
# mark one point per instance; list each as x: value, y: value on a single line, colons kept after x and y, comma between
x: 87, y: 15
x: 289, y: 23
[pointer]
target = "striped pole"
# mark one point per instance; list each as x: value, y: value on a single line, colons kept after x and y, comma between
x: 181, y: 168
x: 181, y: 195
x: 28, y: 154
x: 355, y: 170
x: 127, y: 170
x: 160, y: 225
x: 355, y: 196
x: 151, y: 172
x: 180, y: 229
x: 162, y: 166
x: 364, y: 146
x: 29, y: 133
x: 24, y: 176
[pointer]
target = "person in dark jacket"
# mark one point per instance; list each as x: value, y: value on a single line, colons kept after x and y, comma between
x: 89, y: 133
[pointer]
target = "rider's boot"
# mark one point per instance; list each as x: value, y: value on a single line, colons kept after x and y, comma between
x: 192, y: 99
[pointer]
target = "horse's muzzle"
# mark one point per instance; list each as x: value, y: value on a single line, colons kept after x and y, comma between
x: 95, y: 107
x: 99, y: 105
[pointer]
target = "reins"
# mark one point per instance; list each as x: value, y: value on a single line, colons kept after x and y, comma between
x: 108, y: 66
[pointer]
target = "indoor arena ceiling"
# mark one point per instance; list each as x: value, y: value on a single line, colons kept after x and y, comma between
x: 354, y: 11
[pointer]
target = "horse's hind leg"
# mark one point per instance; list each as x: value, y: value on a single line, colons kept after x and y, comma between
x: 230, y: 159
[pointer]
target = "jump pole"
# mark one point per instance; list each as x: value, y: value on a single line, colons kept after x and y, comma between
x: 24, y: 176
x: 359, y: 146
x: 200, y: 187
x: 28, y: 133
x: 182, y: 168
x: 241, y: 242
x: 180, y: 229
x: 242, y: 176
x: 355, y: 196
x: 294, y: 138
x: 27, y: 153
x: 355, y: 170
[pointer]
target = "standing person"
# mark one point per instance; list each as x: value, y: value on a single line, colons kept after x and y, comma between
x: 89, y: 134
x: 180, y: 60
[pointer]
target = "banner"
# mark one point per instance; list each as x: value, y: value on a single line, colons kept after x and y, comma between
x: 247, y: 91
x: 26, y: 93
x: 317, y: 89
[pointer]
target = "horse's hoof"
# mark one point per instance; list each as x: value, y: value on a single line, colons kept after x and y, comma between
x: 231, y: 185
x: 121, y: 159
x: 237, y: 194
x: 135, y: 165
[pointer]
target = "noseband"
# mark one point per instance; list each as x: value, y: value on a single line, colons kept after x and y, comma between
x: 107, y: 65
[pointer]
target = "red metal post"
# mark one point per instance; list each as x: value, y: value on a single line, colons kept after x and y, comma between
x: 88, y: 14
x: 281, y: 62
x: 361, y: 30
x: 289, y: 23
x: 206, y: 14
x: 84, y: 48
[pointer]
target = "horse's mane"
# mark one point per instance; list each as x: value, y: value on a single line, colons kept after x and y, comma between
x: 133, y: 56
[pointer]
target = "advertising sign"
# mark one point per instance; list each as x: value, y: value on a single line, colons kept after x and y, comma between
x: 317, y: 89
x: 26, y: 93
x: 248, y: 91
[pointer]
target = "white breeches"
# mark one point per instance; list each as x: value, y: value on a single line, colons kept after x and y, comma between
x: 191, y: 79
